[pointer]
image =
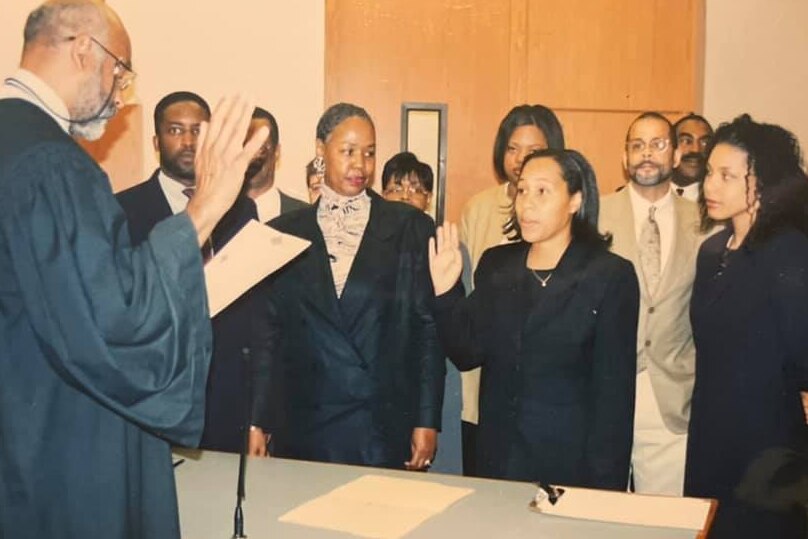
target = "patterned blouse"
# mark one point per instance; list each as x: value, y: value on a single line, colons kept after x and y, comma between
x: 342, y: 221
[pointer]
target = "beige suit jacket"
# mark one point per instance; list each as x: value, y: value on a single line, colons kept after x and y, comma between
x: 481, y: 228
x: 664, y: 336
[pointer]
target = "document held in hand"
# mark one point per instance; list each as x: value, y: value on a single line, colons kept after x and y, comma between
x: 253, y: 253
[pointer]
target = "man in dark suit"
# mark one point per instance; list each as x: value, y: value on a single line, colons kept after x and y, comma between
x: 260, y: 177
x: 177, y: 118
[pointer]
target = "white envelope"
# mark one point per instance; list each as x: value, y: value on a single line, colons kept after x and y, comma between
x: 253, y: 253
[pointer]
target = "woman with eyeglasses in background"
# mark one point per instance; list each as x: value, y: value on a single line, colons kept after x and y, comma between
x: 406, y: 179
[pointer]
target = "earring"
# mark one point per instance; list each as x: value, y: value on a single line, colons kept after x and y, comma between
x: 319, y: 167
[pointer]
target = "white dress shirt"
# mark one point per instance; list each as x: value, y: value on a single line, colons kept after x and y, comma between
x: 268, y: 204
x: 173, y: 190
x: 690, y: 192
x: 26, y: 86
x: 664, y: 217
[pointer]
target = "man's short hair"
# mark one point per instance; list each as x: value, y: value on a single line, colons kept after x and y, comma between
x: 274, y: 136
x: 177, y: 97
x: 695, y: 117
x: 655, y: 116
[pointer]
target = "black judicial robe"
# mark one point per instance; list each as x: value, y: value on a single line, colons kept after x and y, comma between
x: 346, y: 380
x: 104, y: 348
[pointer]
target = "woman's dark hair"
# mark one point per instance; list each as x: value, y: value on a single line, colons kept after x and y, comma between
x: 538, y: 115
x: 402, y: 165
x: 580, y: 178
x: 335, y: 115
x: 774, y: 161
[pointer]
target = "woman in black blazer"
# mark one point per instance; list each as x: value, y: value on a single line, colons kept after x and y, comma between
x: 553, y: 323
x: 347, y: 366
x: 749, y: 312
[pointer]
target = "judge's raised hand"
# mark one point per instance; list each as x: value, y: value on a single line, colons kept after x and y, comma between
x: 221, y: 160
x: 445, y: 260
x: 804, y: 396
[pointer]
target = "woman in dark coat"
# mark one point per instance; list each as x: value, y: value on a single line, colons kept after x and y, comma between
x: 347, y: 366
x: 750, y: 324
x: 553, y: 323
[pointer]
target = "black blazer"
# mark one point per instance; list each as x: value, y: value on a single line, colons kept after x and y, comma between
x: 145, y: 205
x: 750, y: 326
x: 289, y: 204
x: 558, y: 373
x: 346, y: 380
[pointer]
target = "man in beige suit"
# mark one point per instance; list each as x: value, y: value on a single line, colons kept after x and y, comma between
x: 658, y: 232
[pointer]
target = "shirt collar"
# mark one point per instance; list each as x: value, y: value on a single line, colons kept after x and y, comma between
x: 332, y: 200
x: 641, y: 205
x: 26, y: 86
x: 268, y: 204
x: 173, y: 191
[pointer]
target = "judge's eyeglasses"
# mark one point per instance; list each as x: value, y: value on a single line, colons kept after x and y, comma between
x: 122, y: 72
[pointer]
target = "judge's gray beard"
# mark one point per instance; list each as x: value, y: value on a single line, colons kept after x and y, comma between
x: 88, y: 107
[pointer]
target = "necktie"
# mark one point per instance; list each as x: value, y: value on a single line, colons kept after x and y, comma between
x: 680, y: 191
x: 650, y: 250
x: 207, y: 248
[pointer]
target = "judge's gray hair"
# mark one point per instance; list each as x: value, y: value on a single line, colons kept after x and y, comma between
x: 55, y: 20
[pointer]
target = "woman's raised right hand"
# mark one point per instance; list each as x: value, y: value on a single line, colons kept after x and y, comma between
x: 445, y: 260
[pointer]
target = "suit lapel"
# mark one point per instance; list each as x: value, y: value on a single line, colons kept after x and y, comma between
x: 376, y: 252
x: 558, y: 291
x: 319, y: 283
x: 679, y: 257
x: 624, y: 241
x: 719, y: 283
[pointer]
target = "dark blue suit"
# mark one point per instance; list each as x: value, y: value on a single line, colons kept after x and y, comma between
x: 145, y: 205
x: 346, y: 380
x: 750, y: 326
x: 558, y: 364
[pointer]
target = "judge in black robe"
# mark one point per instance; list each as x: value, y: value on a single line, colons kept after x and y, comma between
x: 104, y: 348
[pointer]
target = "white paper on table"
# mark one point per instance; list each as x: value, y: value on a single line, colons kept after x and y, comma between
x: 253, y: 253
x: 628, y: 508
x: 375, y: 506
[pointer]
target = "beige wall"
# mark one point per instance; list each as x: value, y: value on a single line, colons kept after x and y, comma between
x: 272, y: 50
x: 756, y: 62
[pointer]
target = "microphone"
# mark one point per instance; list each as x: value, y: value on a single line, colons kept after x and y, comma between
x: 238, y: 517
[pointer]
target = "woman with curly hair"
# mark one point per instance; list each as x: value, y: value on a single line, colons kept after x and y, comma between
x: 749, y: 312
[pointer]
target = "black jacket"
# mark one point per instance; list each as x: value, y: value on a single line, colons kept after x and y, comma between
x: 145, y: 205
x: 558, y: 364
x: 346, y: 380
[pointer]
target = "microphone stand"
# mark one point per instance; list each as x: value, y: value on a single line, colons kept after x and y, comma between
x: 238, y: 517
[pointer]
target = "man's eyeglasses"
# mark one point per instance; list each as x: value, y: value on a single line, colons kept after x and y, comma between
x: 657, y: 145
x: 122, y: 72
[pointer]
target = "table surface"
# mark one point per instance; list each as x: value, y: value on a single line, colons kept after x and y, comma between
x: 206, y: 486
